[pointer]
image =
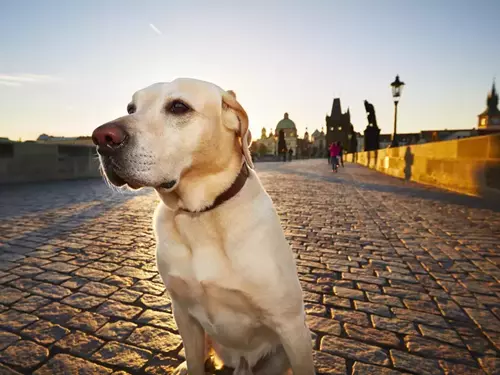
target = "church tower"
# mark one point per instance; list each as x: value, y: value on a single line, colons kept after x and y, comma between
x: 339, y: 127
x: 489, y: 119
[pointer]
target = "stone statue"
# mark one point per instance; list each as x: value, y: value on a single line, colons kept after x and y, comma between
x: 372, y: 131
x: 372, y: 119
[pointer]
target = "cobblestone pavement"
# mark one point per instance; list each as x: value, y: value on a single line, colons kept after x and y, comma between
x: 397, y: 278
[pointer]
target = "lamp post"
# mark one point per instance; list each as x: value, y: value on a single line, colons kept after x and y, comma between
x: 397, y: 87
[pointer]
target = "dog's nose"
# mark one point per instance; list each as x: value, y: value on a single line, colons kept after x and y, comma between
x: 109, y: 137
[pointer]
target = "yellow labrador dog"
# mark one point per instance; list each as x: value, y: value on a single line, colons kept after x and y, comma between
x: 221, y: 250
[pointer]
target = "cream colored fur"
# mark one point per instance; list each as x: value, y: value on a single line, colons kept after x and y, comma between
x: 230, y: 271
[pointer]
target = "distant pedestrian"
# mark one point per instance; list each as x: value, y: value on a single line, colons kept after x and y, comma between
x: 334, y: 156
x: 290, y: 155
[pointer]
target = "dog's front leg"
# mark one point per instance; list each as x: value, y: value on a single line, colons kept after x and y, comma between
x: 193, y: 339
x: 296, y: 340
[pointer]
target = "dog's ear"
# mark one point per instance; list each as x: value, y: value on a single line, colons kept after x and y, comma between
x: 229, y: 103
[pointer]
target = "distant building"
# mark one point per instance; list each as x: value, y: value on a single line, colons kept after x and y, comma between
x: 82, y: 140
x: 318, y: 141
x: 489, y: 119
x: 339, y: 127
x: 266, y: 144
x: 290, y: 130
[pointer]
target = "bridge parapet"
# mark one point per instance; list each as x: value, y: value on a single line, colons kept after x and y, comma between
x: 31, y: 162
x: 469, y: 165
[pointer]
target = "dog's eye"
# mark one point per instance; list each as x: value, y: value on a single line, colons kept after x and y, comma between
x: 177, y: 107
x: 131, y: 108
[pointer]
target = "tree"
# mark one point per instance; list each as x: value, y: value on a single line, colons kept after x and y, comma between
x: 262, y: 150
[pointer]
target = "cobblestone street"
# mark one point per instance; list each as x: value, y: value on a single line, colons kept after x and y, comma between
x: 397, y: 277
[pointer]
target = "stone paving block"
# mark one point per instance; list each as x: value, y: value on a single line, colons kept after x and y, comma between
x: 406, y: 293
x: 126, y: 295
x: 10, y: 295
x: 451, y: 310
x: 484, y: 319
x: 119, y: 281
x: 459, y: 369
x: 7, y: 338
x: 91, y: 273
x: 336, y: 301
x: 87, y: 321
x: 105, y: 266
x: 349, y: 293
x: 80, y: 344
x: 24, y: 283
x: 122, y: 355
x: 83, y: 301
x: 354, y: 350
x: 51, y: 291
x: 24, y: 354
x: 315, y: 309
x: 373, y: 308
x: 62, y: 364
x: 394, y: 325
x: 360, y: 368
x: 155, y: 339
x: 26, y: 271
x: 119, y: 310
x: 162, y: 364
x: 44, y: 332
x: 323, y: 325
x: 441, y: 334
x: 5, y: 370
x: 372, y: 336
x: 98, y: 289
x: 329, y: 364
x: 413, y: 363
x: 349, y: 316
x: 62, y: 267
x: 15, y: 320
x: 57, y: 312
x: 384, y: 299
x: 52, y: 277
x: 491, y: 365
x: 118, y: 330
x: 135, y: 273
x: 158, y: 319
x: 435, y: 349
x: 419, y: 317
x: 149, y: 287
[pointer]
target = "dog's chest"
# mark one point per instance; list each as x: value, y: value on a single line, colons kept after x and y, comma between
x: 226, y: 313
x: 214, y: 295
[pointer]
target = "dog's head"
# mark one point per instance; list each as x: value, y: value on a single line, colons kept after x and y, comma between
x: 172, y: 128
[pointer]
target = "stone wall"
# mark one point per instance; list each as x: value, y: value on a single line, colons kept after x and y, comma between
x: 30, y: 162
x: 470, y: 166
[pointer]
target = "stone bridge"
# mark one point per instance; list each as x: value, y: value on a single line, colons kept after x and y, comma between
x: 397, y: 277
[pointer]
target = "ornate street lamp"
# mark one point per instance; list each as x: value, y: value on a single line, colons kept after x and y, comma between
x: 397, y: 87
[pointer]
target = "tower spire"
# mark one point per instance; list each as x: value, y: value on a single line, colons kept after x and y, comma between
x: 492, y: 101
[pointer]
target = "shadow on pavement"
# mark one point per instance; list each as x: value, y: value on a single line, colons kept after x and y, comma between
x: 363, y: 178
x: 22, y: 199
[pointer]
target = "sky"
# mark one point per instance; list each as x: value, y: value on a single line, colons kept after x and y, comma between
x: 67, y: 67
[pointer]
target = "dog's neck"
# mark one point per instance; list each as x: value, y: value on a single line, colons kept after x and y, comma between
x: 198, y: 191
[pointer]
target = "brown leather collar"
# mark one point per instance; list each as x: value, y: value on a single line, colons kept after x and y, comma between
x: 230, y: 192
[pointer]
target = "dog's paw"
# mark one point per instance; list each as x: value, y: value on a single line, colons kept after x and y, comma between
x: 182, y: 369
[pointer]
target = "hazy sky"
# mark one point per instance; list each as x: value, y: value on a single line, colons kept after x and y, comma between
x: 69, y: 66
